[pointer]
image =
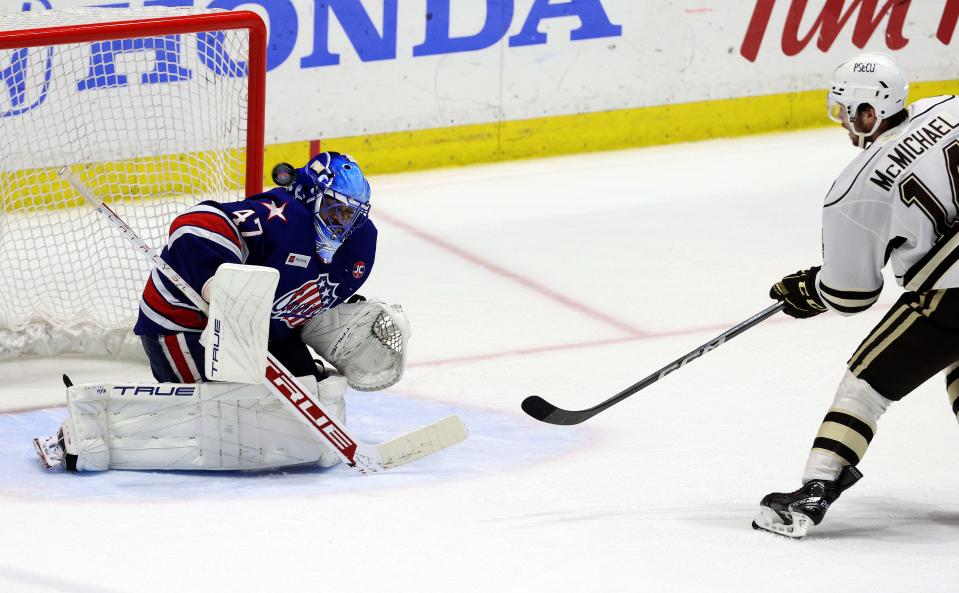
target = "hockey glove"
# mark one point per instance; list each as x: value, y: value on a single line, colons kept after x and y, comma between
x: 799, y: 293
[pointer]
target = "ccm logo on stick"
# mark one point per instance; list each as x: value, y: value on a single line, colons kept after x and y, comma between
x: 693, y: 356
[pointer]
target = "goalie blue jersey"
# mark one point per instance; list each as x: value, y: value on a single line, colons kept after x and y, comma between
x: 271, y: 229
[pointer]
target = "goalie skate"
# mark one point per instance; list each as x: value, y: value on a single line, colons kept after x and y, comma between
x: 50, y: 451
x: 54, y: 451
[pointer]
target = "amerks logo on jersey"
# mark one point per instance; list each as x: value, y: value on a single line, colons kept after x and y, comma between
x: 305, y: 302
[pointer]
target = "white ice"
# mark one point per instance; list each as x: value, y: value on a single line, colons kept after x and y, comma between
x: 572, y: 278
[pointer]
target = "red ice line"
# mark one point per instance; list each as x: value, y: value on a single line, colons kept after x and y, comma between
x: 634, y: 334
x: 510, y: 275
x: 571, y: 346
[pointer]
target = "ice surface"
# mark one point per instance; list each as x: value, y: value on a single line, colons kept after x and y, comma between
x: 500, y: 441
x: 571, y: 278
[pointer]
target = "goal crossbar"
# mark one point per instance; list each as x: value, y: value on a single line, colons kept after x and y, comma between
x: 160, y: 26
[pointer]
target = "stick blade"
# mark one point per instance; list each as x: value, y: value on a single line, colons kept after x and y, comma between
x: 423, y: 442
x: 544, y: 411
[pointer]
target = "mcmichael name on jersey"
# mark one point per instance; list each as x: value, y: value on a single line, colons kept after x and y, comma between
x: 905, y: 151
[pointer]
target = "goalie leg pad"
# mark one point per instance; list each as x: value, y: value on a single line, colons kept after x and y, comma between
x: 365, y: 341
x: 209, y: 426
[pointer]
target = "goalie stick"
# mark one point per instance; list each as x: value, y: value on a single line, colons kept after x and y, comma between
x: 542, y: 410
x: 302, y: 402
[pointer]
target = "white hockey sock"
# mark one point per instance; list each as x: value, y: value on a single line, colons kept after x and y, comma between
x: 847, y: 429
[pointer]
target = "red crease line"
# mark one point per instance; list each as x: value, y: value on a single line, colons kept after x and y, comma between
x: 515, y: 277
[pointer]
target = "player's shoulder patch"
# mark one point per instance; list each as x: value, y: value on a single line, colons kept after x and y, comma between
x: 359, y: 269
x: 354, y: 259
x: 274, y: 210
x: 279, y: 205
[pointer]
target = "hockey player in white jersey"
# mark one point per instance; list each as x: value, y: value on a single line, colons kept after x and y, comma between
x: 897, y: 203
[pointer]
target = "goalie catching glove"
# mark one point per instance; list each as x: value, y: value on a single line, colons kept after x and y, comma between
x: 799, y: 293
x: 366, y: 341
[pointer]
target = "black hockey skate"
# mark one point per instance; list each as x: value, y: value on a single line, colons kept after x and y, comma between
x: 793, y: 513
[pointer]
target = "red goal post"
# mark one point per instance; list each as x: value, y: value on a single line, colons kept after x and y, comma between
x: 155, y: 109
x: 174, y: 25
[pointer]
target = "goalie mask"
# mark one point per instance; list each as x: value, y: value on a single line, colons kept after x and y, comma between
x: 871, y: 79
x: 334, y: 187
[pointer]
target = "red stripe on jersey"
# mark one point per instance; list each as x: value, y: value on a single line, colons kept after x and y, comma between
x: 209, y: 221
x: 309, y: 298
x: 179, y: 358
x: 178, y: 315
x: 307, y: 295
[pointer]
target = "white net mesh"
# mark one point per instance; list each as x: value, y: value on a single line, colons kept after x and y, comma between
x: 152, y: 123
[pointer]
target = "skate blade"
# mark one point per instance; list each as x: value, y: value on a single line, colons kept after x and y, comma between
x: 768, y: 520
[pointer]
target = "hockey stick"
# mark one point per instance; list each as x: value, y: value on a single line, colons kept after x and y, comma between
x: 541, y: 409
x: 302, y: 402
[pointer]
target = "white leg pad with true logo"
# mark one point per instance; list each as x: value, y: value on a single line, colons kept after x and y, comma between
x: 204, y: 426
x: 235, y: 337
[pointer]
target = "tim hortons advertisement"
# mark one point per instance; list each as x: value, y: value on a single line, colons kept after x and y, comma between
x: 354, y: 67
x: 862, y: 19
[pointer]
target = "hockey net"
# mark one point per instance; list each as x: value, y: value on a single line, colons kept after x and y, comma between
x: 154, y: 109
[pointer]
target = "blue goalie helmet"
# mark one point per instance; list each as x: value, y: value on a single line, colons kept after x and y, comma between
x: 333, y: 185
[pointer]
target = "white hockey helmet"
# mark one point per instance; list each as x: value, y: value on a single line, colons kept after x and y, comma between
x: 872, y: 79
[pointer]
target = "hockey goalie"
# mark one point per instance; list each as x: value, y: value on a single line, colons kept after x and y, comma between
x: 280, y: 271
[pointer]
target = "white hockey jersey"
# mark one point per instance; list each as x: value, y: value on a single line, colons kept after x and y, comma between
x: 898, y: 202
